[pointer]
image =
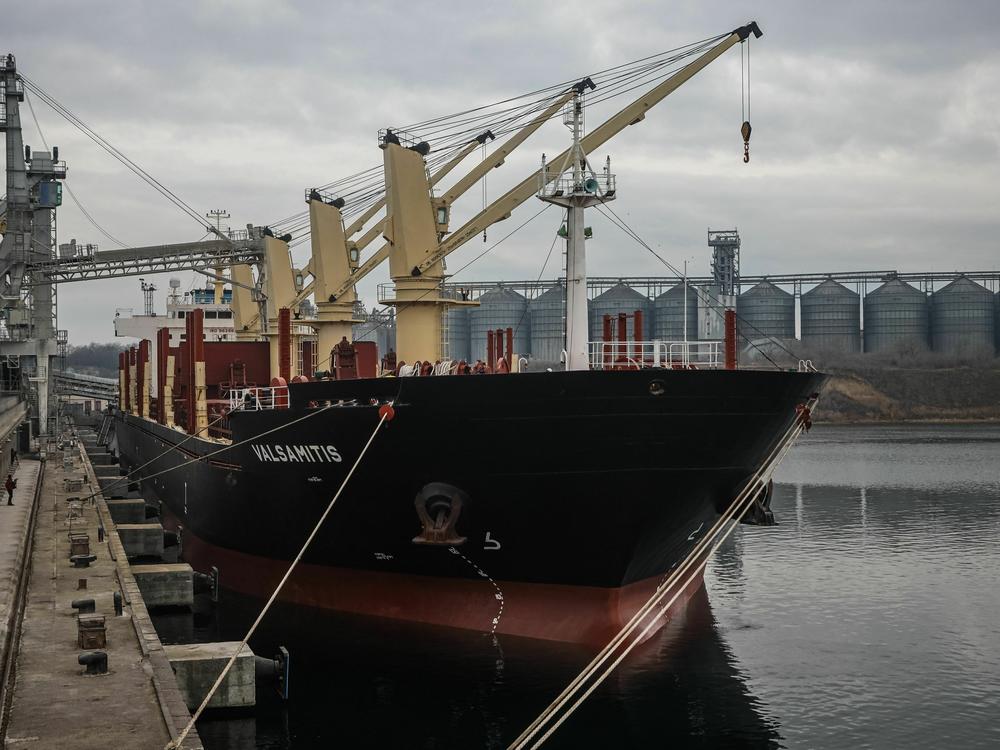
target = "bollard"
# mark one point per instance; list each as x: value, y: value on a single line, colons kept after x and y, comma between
x: 100, y: 533
x: 118, y: 604
x: 96, y: 662
x: 82, y: 561
x: 84, y: 606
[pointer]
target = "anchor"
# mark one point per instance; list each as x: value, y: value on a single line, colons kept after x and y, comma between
x: 759, y: 513
x: 438, y: 508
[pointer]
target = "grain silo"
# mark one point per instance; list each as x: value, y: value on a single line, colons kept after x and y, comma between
x: 766, y: 311
x: 896, y: 317
x: 378, y: 326
x: 996, y: 320
x: 620, y: 299
x: 501, y: 308
x: 671, y: 310
x: 963, y: 318
x: 457, y: 338
x: 548, y: 324
x: 831, y: 318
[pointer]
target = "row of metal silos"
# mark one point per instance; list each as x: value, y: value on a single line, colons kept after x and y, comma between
x: 539, y: 325
x: 962, y: 317
x: 959, y: 318
x: 378, y: 326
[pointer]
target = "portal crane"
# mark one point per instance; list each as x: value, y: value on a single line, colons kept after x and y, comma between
x: 414, y: 244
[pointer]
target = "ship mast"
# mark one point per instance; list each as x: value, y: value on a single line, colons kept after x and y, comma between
x: 577, y: 187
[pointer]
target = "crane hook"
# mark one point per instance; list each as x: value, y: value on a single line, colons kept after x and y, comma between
x: 745, y: 130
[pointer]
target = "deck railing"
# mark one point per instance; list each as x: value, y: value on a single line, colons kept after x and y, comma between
x: 258, y: 398
x: 618, y: 355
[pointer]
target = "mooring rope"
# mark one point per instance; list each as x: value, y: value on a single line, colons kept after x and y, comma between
x: 128, y: 476
x: 384, y: 415
x: 225, y: 448
x: 751, y: 491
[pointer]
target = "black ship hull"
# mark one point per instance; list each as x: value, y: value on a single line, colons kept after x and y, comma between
x: 579, y: 491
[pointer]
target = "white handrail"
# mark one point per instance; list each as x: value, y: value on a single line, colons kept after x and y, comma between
x: 667, y: 354
x: 258, y: 398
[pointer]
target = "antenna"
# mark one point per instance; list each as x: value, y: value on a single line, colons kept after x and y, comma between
x: 217, y: 215
x: 147, y: 296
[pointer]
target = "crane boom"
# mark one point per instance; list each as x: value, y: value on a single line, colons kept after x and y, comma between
x: 629, y: 115
x: 376, y: 230
x: 437, y: 176
x: 475, y: 175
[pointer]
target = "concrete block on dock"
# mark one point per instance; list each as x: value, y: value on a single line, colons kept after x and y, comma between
x: 198, y: 665
x: 102, y: 459
x: 141, y: 539
x: 165, y: 585
x: 107, y: 470
x: 127, y: 510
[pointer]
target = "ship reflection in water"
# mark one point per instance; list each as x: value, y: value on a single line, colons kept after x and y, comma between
x: 358, y: 682
x: 870, y: 617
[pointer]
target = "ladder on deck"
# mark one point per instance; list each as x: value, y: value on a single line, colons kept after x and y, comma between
x: 103, y: 434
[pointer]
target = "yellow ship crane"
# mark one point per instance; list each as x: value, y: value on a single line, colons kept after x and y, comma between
x: 335, y: 257
x: 417, y: 222
x: 412, y: 227
x: 335, y: 264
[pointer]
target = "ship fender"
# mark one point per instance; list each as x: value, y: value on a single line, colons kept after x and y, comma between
x: 439, y: 506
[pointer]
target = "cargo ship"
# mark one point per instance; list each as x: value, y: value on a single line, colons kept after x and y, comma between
x: 547, y: 504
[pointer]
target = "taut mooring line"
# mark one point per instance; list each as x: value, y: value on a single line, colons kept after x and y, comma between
x: 385, y: 413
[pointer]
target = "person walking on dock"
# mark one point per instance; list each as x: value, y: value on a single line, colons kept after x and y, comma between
x: 9, y: 485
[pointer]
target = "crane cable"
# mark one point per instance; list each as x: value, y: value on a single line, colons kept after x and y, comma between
x: 614, y: 81
x: 719, y: 532
x: 745, y: 128
x: 385, y: 414
x: 69, y: 189
x: 114, y: 152
x: 719, y: 308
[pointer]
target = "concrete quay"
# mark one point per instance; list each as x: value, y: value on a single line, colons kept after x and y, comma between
x: 52, y: 702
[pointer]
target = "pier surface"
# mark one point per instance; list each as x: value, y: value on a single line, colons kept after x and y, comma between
x: 137, y: 704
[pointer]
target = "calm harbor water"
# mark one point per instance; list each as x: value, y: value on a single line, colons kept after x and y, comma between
x: 870, y: 617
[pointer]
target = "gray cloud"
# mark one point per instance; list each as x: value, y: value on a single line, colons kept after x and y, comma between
x: 876, y: 132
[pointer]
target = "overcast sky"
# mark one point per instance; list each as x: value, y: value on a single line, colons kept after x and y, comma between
x: 875, y: 144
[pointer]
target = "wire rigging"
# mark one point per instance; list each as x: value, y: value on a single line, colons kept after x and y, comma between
x: 114, y: 152
x: 450, y: 133
x: 69, y: 189
x: 620, y: 223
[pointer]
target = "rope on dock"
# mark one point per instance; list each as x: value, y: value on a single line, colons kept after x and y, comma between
x: 719, y: 532
x: 385, y: 414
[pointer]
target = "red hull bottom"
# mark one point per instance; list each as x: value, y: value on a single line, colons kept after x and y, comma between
x: 552, y: 612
